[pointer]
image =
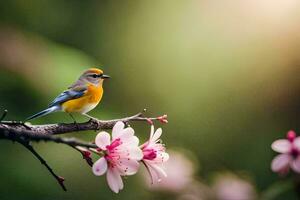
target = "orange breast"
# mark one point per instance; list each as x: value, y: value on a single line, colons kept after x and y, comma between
x: 85, y: 103
x: 94, y: 93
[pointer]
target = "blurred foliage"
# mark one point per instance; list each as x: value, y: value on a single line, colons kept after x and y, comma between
x: 226, y: 73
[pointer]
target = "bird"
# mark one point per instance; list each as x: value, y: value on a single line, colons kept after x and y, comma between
x: 81, y: 97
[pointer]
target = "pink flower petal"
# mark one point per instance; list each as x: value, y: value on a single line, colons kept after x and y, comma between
x: 282, y: 146
x: 102, y: 140
x: 152, y: 174
x: 156, y: 135
x: 295, y: 165
x: 130, y: 141
x: 126, y: 134
x: 133, y: 141
x: 114, y: 180
x: 160, y: 171
x: 281, y: 162
x: 164, y: 156
x: 297, y: 143
x: 156, y: 172
x: 135, y: 153
x: 117, y: 129
x: 128, y: 167
x: 100, y: 167
x: 161, y: 157
x: 151, y: 132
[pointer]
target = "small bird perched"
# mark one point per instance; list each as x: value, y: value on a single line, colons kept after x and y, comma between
x: 81, y: 97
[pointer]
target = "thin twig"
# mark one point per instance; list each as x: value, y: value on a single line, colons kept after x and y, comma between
x: 59, y: 179
x: 86, y: 154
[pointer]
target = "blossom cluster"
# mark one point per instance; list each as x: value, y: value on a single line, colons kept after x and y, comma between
x: 122, y: 155
x: 289, y: 157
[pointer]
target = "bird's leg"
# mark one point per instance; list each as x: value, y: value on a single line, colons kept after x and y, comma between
x: 93, y: 118
x: 73, y: 118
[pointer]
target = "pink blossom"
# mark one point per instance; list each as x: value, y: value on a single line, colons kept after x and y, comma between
x: 231, y: 187
x: 154, y: 155
x: 122, y: 155
x: 180, y: 173
x: 289, y: 156
x: 195, y: 190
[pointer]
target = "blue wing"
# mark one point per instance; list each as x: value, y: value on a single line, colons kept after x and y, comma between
x: 72, y: 93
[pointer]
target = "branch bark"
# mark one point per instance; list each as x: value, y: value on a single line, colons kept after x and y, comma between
x: 92, y: 124
x: 24, y: 133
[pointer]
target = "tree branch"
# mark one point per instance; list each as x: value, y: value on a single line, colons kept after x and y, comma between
x: 9, y: 133
x: 24, y: 133
x: 92, y: 124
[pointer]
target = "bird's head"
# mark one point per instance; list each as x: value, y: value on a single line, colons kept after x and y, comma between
x: 94, y: 76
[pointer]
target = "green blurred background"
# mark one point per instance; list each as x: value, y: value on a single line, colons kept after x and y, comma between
x: 227, y: 73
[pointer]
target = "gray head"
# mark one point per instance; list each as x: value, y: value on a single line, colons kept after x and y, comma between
x: 94, y: 76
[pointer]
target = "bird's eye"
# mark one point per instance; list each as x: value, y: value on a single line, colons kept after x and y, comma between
x: 94, y: 75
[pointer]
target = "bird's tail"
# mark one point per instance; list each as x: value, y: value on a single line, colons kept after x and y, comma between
x: 44, y: 112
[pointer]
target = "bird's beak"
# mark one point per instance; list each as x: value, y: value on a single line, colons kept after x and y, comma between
x: 105, y: 76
